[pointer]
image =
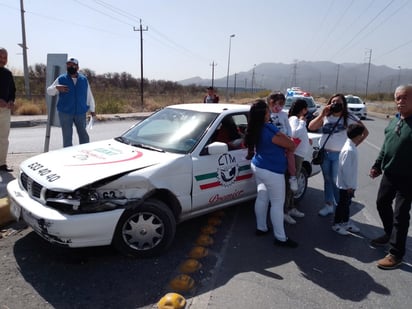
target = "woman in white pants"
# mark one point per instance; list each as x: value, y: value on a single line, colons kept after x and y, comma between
x: 266, y: 147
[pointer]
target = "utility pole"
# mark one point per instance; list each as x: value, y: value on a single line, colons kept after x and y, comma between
x: 213, y: 72
x: 141, y: 59
x: 234, y: 87
x: 369, y: 69
x: 337, y: 79
x: 24, y: 47
x: 294, y: 73
x: 228, y: 65
x: 253, y: 79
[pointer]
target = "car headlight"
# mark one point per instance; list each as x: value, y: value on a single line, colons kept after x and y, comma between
x: 84, y: 200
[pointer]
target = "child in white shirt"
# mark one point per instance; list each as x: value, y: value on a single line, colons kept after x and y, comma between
x: 347, y: 180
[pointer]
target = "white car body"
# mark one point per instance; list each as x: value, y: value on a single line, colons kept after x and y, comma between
x: 356, y: 106
x: 132, y: 196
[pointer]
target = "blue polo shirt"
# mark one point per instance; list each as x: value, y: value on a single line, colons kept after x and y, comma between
x: 268, y: 155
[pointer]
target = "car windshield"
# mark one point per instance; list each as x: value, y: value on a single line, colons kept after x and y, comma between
x: 353, y: 100
x: 309, y: 100
x: 170, y: 130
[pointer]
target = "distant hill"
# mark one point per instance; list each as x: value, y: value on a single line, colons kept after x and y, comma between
x: 317, y: 77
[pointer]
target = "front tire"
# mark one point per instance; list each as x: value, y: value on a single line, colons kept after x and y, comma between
x: 302, y: 185
x: 146, y: 230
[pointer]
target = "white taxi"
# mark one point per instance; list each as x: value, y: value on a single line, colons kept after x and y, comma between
x: 130, y: 191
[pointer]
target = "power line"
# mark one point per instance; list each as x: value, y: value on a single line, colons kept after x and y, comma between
x: 345, y: 46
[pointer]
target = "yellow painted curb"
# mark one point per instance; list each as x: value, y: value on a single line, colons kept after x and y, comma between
x: 5, y: 215
x: 204, y: 240
x: 198, y: 252
x: 208, y: 229
x: 172, y: 301
x: 182, y: 283
x: 190, y: 266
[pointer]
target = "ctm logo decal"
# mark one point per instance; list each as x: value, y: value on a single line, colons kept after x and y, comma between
x: 228, y: 172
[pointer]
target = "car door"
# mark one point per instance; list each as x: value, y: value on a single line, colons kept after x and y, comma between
x: 223, y: 178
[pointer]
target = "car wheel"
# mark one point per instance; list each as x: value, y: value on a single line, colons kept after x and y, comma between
x: 302, y: 184
x: 146, y: 230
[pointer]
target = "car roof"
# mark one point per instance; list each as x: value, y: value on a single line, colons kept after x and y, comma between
x: 213, y: 108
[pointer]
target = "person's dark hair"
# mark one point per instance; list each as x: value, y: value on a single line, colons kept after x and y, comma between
x: 275, y: 97
x: 255, y: 124
x: 354, y: 130
x: 297, y: 107
x: 345, y: 107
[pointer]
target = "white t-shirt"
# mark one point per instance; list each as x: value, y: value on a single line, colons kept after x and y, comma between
x: 281, y: 121
x: 299, y: 131
x: 348, y: 166
x: 338, y: 138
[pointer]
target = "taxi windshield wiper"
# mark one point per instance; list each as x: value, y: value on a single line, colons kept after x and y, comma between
x: 123, y: 140
x: 148, y: 147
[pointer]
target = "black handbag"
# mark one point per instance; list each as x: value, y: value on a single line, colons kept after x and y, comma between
x: 318, y: 155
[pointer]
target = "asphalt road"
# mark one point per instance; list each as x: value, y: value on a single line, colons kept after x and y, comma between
x: 240, y: 270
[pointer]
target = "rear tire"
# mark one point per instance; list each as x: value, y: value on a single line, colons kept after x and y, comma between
x: 145, y: 231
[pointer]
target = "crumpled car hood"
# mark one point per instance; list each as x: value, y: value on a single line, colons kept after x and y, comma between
x: 73, y: 167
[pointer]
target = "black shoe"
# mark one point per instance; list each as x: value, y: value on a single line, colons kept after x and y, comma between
x: 380, y: 241
x: 287, y: 243
x: 5, y: 168
x: 261, y: 233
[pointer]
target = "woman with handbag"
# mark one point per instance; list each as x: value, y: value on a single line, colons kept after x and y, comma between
x: 334, y: 120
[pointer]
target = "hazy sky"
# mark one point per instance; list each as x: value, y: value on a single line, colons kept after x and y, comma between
x: 185, y: 37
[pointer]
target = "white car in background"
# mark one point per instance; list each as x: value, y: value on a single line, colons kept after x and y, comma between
x: 131, y: 191
x: 356, y: 106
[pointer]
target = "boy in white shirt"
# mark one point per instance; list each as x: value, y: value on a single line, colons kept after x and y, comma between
x: 347, y: 180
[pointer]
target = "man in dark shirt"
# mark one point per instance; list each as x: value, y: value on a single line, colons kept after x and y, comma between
x: 395, y: 162
x: 211, y: 96
x: 7, y: 97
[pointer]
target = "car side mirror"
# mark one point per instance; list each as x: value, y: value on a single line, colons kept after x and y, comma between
x: 216, y: 148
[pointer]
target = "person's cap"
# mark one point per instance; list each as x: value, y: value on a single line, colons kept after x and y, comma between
x: 210, y: 88
x: 73, y: 60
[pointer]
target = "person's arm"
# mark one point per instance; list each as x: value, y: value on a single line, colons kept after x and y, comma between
x: 52, y: 89
x: 364, y: 134
x: 317, y: 122
x: 90, y: 101
x: 284, y: 141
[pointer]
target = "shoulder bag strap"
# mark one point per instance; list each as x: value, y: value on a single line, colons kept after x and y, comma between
x: 331, y: 132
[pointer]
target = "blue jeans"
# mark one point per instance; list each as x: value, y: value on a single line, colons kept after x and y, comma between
x: 66, y: 122
x: 330, y: 173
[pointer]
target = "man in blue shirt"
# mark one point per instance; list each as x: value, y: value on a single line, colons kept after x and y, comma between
x: 75, y: 100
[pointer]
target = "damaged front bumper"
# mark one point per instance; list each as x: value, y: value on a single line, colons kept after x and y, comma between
x: 80, y: 230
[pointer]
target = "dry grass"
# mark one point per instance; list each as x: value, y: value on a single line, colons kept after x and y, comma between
x: 37, y: 105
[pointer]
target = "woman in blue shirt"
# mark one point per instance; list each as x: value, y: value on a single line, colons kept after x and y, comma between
x: 267, y: 145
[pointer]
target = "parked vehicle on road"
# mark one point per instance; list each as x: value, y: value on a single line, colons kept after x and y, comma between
x: 131, y: 191
x: 356, y: 106
x: 294, y: 93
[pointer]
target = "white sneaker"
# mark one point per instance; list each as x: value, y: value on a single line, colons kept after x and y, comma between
x: 326, y: 210
x: 340, y: 228
x: 296, y: 213
x: 289, y: 219
x: 351, y: 227
x: 293, y: 182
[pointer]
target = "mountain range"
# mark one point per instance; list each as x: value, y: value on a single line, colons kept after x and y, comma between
x: 316, y: 77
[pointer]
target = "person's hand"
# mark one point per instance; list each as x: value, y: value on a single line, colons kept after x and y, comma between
x: 326, y: 110
x: 374, y: 173
x: 62, y: 88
